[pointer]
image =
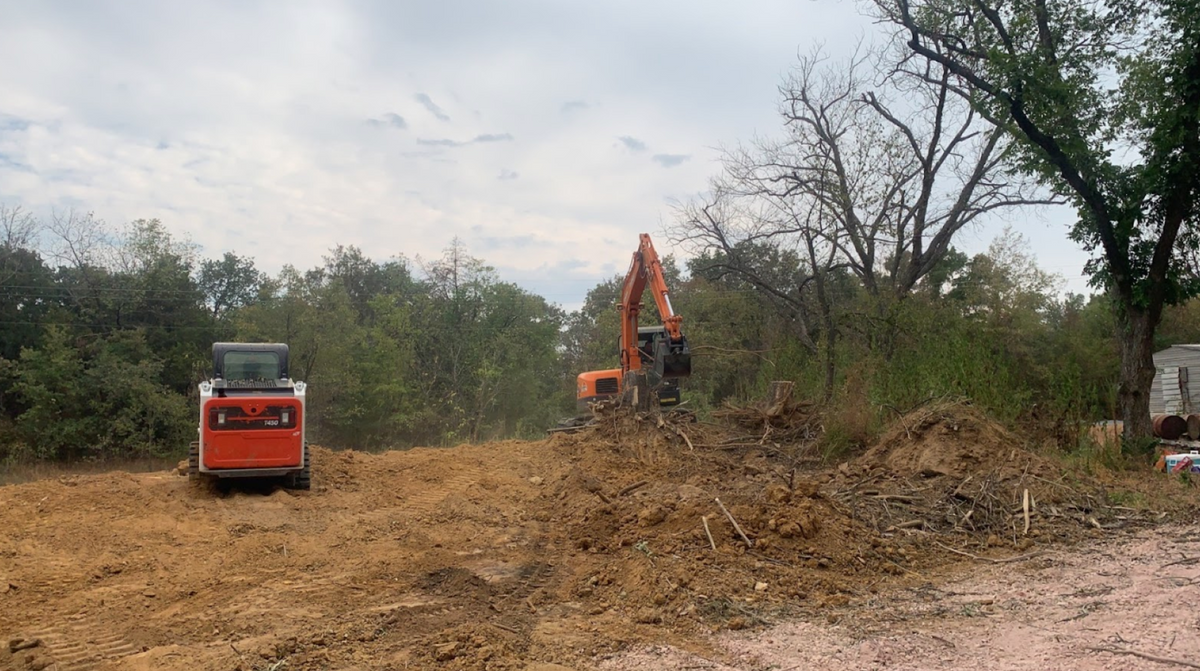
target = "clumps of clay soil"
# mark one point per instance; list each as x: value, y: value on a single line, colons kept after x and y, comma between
x: 469, y: 646
x: 950, y: 468
x: 25, y: 654
x: 648, y: 542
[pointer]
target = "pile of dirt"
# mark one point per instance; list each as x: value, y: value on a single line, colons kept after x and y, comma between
x: 953, y: 440
x: 950, y: 468
x: 639, y: 513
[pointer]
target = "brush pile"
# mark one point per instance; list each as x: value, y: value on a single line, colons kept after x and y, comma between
x: 778, y: 420
x: 949, y: 468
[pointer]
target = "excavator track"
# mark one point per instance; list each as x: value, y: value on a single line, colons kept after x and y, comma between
x: 75, y: 644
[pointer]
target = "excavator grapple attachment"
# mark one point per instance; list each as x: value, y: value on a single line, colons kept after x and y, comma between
x: 673, y: 360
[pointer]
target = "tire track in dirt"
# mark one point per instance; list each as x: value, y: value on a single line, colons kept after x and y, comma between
x: 426, y: 499
x: 51, y: 576
x: 77, y: 644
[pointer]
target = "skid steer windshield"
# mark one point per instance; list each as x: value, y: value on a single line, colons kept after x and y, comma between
x: 251, y: 366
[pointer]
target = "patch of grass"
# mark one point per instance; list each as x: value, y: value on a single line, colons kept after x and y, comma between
x: 22, y: 472
x: 1129, y: 481
x: 1129, y: 499
x: 851, y: 422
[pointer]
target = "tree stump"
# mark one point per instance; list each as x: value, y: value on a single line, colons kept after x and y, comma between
x: 635, y: 391
x: 778, y: 397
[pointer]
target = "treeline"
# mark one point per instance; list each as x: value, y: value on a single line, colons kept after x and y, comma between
x: 105, y: 333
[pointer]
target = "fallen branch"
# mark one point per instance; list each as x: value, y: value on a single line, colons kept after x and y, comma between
x: 505, y: 627
x: 569, y: 429
x: 958, y: 490
x: 1006, y: 560
x: 899, y: 418
x: 704, y: 520
x: 1146, y: 656
x: 1186, y: 561
x: 911, y: 524
x: 967, y: 518
x: 903, y: 498
x: 685, y: 438
x: 635, y: 486
x: 732, y: 521
x: 1025, y: 508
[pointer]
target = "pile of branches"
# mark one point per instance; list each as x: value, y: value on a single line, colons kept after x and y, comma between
x: 777, y: 419
x: 981, y: 504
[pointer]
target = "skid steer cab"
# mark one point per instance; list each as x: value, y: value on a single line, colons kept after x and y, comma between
x: 251, y: 418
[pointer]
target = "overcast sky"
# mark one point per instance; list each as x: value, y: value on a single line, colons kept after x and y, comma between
x: 545, y: 133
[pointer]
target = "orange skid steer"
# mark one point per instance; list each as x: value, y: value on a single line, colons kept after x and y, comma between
x: 252, y: 418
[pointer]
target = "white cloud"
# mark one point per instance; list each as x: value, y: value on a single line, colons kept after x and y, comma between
x: 280, y: 130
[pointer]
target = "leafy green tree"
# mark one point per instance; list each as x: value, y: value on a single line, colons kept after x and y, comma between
x: 27, y: 297
x: 1104, y: 98
x: 227, y: 284
x: 96, y: 398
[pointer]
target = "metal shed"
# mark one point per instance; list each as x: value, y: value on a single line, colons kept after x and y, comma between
x: 1176, y: 389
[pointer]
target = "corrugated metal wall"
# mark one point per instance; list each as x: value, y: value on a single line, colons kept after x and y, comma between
x: 1176, y: 388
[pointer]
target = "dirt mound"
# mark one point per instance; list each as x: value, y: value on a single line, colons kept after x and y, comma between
x: 948, y: 467
x: 636, y: 510
x: 954, y: 440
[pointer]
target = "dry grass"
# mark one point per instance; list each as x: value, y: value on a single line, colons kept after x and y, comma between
x: 1130, y: 481
x: 15, y: 474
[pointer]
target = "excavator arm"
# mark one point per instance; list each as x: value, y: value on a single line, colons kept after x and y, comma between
x: 671, y: 356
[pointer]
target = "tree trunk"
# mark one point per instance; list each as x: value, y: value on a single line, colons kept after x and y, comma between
x: 830, y: 361
x: 779, y: 396
x: 1135, y: 331
x: 830, y: 337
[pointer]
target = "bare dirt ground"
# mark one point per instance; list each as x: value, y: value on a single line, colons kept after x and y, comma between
x: 590, y: 549
x: 1128, y: 603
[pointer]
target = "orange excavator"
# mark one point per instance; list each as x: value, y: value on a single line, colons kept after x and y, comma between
x: 653, y: 358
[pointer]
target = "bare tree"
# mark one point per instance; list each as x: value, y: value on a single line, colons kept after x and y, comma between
x: 79, y: 240
x: 18, y: 227
x: 877, y: 172
x: 902, y: 168
x: 738, y: 227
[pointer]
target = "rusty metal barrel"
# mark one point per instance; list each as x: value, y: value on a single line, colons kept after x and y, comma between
x: 1170, y: 427
x: 1193, y: 424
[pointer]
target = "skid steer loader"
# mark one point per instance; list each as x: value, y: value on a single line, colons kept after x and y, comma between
x: 252, y: 418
